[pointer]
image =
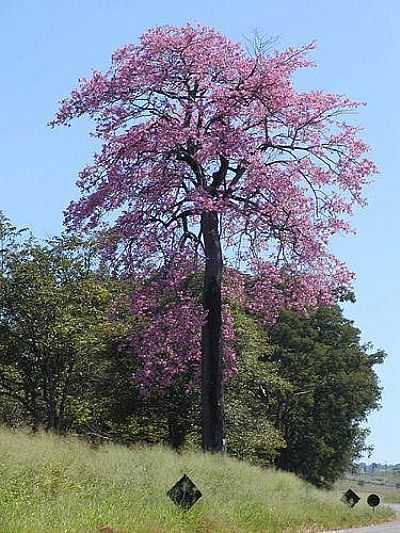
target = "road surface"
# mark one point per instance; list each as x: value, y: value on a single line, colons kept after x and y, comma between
x: 391, y: 527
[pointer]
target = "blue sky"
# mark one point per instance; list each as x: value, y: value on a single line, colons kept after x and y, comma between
x: 47, y: 45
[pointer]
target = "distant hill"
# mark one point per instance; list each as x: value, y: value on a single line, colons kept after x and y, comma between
x: 375, y: 467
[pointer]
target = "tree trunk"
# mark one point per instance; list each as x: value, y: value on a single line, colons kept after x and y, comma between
x: 212, y: 388
x: 176, y: 432
x: 51, y: 399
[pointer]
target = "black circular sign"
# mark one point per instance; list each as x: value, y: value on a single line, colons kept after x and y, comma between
x: 373, y: 500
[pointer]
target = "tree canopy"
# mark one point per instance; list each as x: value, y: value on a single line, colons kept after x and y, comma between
x: 333, y: 389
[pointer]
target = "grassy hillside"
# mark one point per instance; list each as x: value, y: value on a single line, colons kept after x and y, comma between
x: 51, y: 485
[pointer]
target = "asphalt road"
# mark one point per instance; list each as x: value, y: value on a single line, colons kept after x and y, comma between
x: 393, y: 527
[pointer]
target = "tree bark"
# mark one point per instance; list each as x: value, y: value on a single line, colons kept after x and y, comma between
x: 212, y: 389
x: 176, y: 432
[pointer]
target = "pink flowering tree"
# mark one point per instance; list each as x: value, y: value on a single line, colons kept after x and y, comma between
x: 213, y: 162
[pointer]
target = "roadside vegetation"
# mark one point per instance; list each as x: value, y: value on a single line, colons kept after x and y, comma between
x: 70, y: 349
x: 49, y: 484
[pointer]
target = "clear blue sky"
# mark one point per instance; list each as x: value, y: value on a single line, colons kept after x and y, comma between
x: 47, y: 45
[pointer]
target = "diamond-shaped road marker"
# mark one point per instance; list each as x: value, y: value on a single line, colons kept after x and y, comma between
x: 350, y: 498
x: 184, y: 493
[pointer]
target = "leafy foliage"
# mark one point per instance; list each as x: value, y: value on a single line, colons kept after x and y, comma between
x: 52, y: 315
x: 250, y: 433
x: 334, y: 387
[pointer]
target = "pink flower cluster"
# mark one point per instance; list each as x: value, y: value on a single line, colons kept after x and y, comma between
x: 168, y: 342
x: 191, y: 123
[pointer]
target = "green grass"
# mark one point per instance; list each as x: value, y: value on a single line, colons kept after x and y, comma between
x: 53, y: 485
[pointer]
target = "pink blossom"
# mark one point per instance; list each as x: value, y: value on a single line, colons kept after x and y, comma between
x: 191, y: 123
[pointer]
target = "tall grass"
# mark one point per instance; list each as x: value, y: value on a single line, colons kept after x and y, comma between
x: 52, y: 485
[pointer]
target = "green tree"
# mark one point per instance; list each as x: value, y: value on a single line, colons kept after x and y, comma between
x: 250, y: 432
x: 333, y: 388
x: 52, y: 313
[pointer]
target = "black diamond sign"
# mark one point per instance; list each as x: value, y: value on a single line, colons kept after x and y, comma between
x: 184, y: 493
x: 350, y: 498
